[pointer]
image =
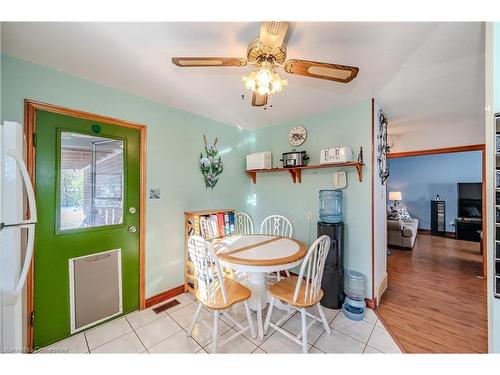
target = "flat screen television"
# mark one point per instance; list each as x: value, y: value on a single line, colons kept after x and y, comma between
x: 470, y: 199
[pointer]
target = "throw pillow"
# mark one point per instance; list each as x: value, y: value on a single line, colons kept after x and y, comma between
x: 403, y: 214
x: 392, y: 215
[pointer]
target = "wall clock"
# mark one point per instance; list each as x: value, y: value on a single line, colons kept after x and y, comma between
x: 297, y: 135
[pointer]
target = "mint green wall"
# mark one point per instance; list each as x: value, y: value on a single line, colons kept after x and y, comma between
x: 174, y: 142
x: 274, y: 193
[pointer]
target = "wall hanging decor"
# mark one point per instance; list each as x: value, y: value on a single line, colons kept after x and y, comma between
x: 297, y: 135
x: 210, y: 164
x: 383, y: 148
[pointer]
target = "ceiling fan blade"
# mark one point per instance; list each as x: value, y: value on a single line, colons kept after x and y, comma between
x: 314, y: 69
x: 185, y: 62
x: 259, y: 100
x: 273, y: 33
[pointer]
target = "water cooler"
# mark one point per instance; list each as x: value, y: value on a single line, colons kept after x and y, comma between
x: 333, y: 275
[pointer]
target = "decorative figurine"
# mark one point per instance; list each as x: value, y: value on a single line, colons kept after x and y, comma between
x: 210, y: 164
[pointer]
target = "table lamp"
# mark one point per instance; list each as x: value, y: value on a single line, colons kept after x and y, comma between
x: 395, y: 196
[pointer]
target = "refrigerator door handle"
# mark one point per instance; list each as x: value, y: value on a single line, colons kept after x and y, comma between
x: 27, y: 183
x: 12, y: 298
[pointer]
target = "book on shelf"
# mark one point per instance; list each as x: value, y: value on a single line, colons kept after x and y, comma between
x: 203, y: 227
x: 216, y: 225
x: 220, y: 223
x: 227, y: 229
x: 231, y: 222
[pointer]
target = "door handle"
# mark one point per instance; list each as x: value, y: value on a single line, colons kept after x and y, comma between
x: 11, y: 299
x: 30, y: 192
x: 132, y: 229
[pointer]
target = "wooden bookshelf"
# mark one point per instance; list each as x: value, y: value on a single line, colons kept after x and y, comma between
x: 296, y: 172
x: 192, y: 227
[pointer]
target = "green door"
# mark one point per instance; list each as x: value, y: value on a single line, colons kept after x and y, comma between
x: 87, y: 186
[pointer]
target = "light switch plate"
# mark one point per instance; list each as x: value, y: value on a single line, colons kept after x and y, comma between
x: 154, y: 193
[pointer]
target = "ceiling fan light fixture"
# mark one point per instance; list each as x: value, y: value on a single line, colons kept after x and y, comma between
x: 266, y: 53
x: 264, y: 81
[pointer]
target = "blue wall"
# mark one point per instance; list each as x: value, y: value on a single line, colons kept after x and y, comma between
x: 420, y: 178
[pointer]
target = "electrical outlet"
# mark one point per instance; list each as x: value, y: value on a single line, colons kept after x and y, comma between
x: 309, y: 215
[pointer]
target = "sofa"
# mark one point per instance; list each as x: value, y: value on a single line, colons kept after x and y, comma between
x: 403, y: 238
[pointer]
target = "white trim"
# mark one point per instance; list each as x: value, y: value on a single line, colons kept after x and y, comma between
x: 491, y: 189
x: 72, y: 293
x: 382, y: 287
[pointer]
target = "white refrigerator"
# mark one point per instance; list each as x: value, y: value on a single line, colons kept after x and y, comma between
x: 17, y: 235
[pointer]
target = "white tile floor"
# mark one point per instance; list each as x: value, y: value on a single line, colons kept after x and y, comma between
x: 147, y: 332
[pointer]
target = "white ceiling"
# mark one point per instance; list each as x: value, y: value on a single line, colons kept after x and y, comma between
x: 423, y: 74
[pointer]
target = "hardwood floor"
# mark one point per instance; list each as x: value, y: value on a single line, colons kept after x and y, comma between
x: 435, y: 303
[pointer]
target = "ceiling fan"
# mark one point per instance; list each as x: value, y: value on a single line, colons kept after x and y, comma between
x: 267, y: 52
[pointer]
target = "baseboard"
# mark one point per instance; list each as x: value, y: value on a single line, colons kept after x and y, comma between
x: 371, y: 303
x: 163, y: 296
x: 428, y: 231
x: 382, y: 287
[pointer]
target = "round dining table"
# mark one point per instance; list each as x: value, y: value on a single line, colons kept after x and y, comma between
x: 258, y: 255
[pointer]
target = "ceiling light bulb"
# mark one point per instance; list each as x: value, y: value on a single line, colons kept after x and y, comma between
x: 264, y: 77
x: 277, y: 86
x: 263, y: 90
x: 250, y: 84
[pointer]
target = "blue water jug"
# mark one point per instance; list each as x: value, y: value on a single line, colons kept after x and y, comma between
x: 330, y: 206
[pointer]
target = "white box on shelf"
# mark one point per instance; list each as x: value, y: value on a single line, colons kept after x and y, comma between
x: 341, y: 154
x: 260, y: 160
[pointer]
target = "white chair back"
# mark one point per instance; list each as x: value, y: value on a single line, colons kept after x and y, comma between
x: 207, y: 269
x: 276, y: 225
x: 311, y: 270
x: 244, y: 223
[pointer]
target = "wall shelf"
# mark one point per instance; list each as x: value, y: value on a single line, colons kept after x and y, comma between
x: 296, y: 173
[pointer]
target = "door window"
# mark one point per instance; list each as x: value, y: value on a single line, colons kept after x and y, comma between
x: 91, y: 181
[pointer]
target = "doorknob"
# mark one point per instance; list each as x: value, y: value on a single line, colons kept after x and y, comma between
x: 132, y: 229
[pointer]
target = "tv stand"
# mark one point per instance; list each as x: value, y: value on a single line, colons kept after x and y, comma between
x: 467, y: 229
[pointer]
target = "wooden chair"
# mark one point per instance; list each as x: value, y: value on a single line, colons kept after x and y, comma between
x: 244, y: 223
x: 214, y: 291
x: 277, y: 225
x: 302, y: 292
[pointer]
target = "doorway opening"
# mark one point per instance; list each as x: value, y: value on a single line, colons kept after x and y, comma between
x: 436, y: 296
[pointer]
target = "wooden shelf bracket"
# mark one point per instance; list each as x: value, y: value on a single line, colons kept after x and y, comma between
x: 359, y: 168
